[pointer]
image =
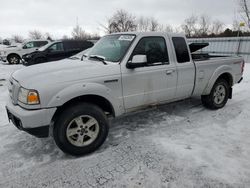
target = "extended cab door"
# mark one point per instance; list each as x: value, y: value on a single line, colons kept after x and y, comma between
x: 153, y: 82
x: 185, y: 68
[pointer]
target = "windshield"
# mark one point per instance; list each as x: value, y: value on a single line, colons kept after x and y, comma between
x: 45, y: 47
x: 112, y: 47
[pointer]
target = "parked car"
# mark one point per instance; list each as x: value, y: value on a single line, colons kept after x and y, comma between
x: 13, y: 54
x: 56, y: 51
x: 81, y: 55
x: 123, y: 73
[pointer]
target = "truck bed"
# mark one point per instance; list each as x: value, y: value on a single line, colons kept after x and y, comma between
x: 205, y: 56
x: 207, y: 66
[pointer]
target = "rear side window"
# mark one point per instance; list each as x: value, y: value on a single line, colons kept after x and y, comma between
x: 181, y: 49
x: 77, y: 45
x: 57, y: 47
x: 40, y: 43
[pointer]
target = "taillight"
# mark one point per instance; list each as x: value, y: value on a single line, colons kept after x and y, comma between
x: 242, y: 66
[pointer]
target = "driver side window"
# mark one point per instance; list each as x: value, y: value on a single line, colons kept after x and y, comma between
x: 29, y: 45
x: 58, y: 47
x: 155, y: 50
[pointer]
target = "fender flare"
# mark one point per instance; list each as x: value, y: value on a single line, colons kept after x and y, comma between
x: 217, y: 73
x: 13, y: 54
x: 81, y: 89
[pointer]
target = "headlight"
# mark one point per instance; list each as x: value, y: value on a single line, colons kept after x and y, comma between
x: 27, y: 96
x: 27, y: 56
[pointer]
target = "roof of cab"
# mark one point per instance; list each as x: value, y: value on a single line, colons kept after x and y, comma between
x: 152, y: 33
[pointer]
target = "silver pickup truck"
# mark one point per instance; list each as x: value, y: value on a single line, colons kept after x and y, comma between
x: 74, y: 98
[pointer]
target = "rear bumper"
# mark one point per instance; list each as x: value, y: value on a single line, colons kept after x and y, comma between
x: 35, y: 122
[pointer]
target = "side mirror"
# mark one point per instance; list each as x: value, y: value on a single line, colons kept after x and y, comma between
x: 137, y: 61
x: 24, y: 47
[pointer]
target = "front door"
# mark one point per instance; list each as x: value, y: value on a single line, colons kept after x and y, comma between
x: 153, y: 83
x: 56, y: 52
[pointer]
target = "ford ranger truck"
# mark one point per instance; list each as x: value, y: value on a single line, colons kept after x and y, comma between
x: 73, y: 99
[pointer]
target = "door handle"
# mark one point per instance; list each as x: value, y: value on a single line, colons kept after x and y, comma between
x: 168, y: 72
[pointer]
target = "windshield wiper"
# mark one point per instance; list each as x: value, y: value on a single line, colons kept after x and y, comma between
x: 74, y: 57
x: 100, y: 58
x: 83, y: 55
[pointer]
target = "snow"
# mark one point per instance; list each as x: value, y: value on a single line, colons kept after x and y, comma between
x: 181, y: 144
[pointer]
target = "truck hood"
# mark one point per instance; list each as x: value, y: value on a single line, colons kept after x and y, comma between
x: 63, y: 71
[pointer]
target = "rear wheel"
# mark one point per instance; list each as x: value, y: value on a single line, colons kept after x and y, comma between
x: 81, y: 129
x: 13, y: 59
x: 218, y: 96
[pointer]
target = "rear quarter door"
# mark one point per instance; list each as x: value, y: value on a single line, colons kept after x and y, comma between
x: 184, y: 66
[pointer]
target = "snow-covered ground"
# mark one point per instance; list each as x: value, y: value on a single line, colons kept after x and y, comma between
x: 177, y: 145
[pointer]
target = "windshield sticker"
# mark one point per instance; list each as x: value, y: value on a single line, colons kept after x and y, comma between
x: 126, y: 37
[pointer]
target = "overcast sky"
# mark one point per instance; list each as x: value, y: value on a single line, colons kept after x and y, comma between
x: 58, y: 17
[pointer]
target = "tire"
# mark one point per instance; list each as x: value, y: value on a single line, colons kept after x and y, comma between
x: 74, y: 133
x: 218, y: 96
x: 13, y: 59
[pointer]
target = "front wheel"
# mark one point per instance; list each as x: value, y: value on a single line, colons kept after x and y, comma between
x: 218, y: 96
x: 81, y: 129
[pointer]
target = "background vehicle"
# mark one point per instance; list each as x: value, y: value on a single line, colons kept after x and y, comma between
x: 13, y: 54
x: 123, y: 73
x: 56, y: 51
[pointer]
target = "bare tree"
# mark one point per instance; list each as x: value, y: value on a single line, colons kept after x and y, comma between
x: 154, y: 24
x: 143, y: 24
x: 236, y: 25
x: 17, y: 38
x: 190, y: 25
x: 203, y: 26
x: 35, y: 34
x: 121, y: 21
x: 65, y: 37
x: 217, y: 27
x: 48, y: 36
x: 148, y: 24
x: 169, y: 28
x: 79, y: 34
x: 244, y: 11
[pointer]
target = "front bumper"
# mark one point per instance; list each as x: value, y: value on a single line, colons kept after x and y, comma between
x: 35, y: 122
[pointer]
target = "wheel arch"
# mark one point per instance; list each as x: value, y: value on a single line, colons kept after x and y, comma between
x: 13, y: 54
x: 97, y: 100
x: 224, y: 72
